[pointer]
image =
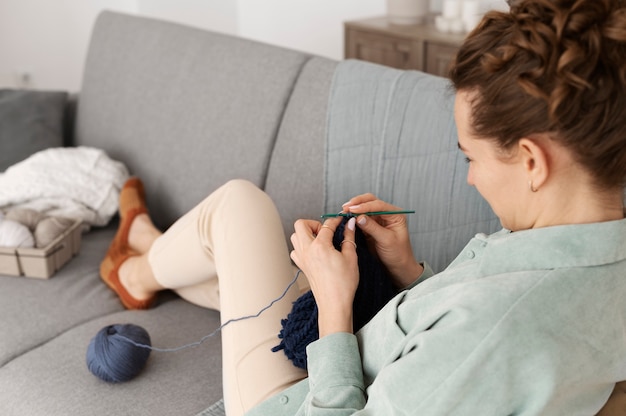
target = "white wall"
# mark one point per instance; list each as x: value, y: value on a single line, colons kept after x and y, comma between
x: 48, y: 39
x: 217, y: 15
x: 314, y: 26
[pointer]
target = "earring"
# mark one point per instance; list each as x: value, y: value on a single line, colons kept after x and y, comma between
x: 530, y: 186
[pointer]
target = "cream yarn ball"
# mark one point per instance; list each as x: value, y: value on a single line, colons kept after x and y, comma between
x: 50, y: 228
x: 24, y: 227
x: 14, y: 234
x: 25, y: 216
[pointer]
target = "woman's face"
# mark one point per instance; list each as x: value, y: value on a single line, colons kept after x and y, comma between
x: 497, y: 176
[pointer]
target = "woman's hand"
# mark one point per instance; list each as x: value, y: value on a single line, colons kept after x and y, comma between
x: 388, y: 236
x: 332, y: 274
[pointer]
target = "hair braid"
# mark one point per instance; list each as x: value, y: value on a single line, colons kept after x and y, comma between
x: 552, y: 66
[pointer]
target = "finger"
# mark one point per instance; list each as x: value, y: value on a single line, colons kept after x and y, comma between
x: 296, y: 258
x: 294, y: 241
x: 371, y: 227
x: 306, y: 225
x: 370, y: 206
x: 367, y: 224
x: 306, y: 229
x: 349, y: 237
x: 302, y: 236
x: 331, y: 225
x: 325, y: 228
x: 357, y: 200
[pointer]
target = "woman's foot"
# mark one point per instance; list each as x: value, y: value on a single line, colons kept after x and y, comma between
x: 133, y: 239
x: 132, y: 204
x: 135, y: 276
x: 142, y: 234
x: 110, y: 274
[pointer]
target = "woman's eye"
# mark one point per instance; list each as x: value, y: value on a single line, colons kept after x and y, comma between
x: 468, y: 160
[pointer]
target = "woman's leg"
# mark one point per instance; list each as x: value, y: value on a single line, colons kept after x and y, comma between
x: 231, y: 247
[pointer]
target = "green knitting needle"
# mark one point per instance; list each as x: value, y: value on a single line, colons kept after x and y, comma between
x: 350, y: 214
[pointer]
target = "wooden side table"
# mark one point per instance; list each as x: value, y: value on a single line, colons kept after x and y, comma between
x: 420, y: 46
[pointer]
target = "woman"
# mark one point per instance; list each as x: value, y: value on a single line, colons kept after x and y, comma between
x: 529, y: 320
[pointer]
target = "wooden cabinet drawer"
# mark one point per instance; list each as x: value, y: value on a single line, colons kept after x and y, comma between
x: 384, y: 50
x: 439, y: 58
x: 418, y: 46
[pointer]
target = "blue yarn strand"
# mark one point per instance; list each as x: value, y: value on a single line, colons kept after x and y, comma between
x: 119, y: 352
x: 212, y: 334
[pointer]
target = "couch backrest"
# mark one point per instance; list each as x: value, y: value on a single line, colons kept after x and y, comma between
x: 393, y: 133
x: 186, y: 109
x: 295, y: 177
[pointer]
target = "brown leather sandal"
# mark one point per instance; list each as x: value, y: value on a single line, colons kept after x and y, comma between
x: 132, y: 203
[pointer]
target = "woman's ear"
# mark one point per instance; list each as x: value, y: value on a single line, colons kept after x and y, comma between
x: 535, y: 158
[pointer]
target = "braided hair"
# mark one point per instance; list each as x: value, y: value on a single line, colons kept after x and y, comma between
x: 555, y: 67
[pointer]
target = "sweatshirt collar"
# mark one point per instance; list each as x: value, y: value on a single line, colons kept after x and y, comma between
x: 564, y: 246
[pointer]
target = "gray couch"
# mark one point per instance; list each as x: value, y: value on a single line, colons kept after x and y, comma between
x: 187, y: 110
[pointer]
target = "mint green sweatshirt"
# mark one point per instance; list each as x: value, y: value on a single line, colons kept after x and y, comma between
x: 524, y: 323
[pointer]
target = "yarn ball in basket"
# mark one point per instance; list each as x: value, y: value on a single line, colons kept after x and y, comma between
x: 112, y: 357
x: 50, y: 228
x: 14, y: 234
x: 25, y: 216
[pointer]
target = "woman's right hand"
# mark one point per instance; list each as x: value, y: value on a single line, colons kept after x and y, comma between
x: 388, y: 236
x: 333, y: 274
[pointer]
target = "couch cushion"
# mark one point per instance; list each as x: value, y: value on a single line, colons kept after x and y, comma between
x: 185, y: 109
x: 35, y: 311
x: 53, y: 379
x: 30, y: 121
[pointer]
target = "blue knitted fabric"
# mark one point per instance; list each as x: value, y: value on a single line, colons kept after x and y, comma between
x: 375, y: 289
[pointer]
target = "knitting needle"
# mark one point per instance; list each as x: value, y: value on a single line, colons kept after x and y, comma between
x: 350, y: 214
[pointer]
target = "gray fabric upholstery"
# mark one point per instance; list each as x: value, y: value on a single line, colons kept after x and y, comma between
x: 34, y: 311
x: 30, y: 121
x: 295, y: 179
x: 185, y: 109
x: 392, y: 132
x: 52, y: 379
x: 216, y: 409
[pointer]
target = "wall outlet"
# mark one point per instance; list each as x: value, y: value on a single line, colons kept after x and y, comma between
x: 23, y: 78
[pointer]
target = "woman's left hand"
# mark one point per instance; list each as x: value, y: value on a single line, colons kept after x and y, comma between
x: 332, y: 274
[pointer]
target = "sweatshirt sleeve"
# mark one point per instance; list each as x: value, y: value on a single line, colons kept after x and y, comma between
x: 336, y: 384
x: 426, y: 274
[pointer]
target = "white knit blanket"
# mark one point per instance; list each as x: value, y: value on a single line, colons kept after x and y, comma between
x: 74, y: 182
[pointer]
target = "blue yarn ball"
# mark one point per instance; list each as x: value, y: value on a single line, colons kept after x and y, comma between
x: 113, y: 358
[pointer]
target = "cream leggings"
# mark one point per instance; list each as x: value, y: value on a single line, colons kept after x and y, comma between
x: 229, y: 253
